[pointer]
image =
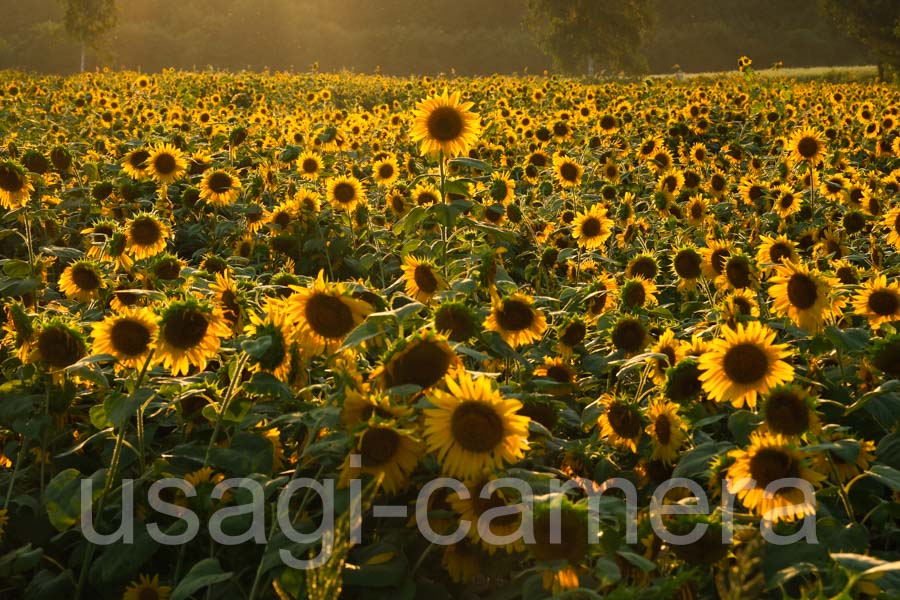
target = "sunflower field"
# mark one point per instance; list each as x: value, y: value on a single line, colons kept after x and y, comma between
x: 244, y: 315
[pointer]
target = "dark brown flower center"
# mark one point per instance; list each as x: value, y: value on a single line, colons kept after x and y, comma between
x: 786, y: 413
x: 629, y: 335
x: 344, y: 192
x: 148, y: 593
x: 328, y: 316
x: 220, y: 182
x: 568, y: 172
x: 476, y: 426
x: 772, y: 464
x: 425, y: 279
x: 737, y: 269
x: 745, y: 363
x: 778, y: 251
x: 573, y: 334
x: 386, y: 171
x: 634, y: 294
x: 185, y: 328
x: 591, y: 227
x: 808, y: 147
x: 718, y: 259
x: 624, y: 420
x: 58, y: 347
x: 662, y: 427
x: 445, y: 124
x: 129, y: 337
x: 687, y: 264
x: 145, y: 231
x: 883, y: 302
x: 138, y: 159
x: 165, y: 164
x: 10, y: 179
x: 455, y: 322
x: 310, y: 165
x: 378, y: 446
x: 802, y: 291
x: 572, y: 544
x: 515, y: 315
x: 422, y: 363
x: 85, y: 278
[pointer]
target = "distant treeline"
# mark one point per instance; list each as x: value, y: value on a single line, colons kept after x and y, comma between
x: 406, y: 36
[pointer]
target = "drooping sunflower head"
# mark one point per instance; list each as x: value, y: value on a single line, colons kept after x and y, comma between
x: 129, y: 335
x: 572, y: 544
x: 442, y: 124
x: 422, y: 278
x: 629, y: 335
x: 271, y: 337
x: 386, y: 450
x: 788, y: 410
x: 683, y: 383
x: 666, y: 429
x: 571, y: 332
x: 324, y: 314
x: 456, y: 321
x: 423, y: 359
x: 637, y: 292
x: 57, y: 344
x: 516, y: 320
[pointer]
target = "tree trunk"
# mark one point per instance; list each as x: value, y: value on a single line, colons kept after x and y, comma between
x: 83, y: 50
x: 880, y: 71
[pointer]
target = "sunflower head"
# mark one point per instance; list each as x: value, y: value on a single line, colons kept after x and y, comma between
x: 423, y: 359
x: 422, y: 279
x: 442, y: 124
x: 456, y: 321
x: 516, y: 320
x: 190, y: 333
x: 58, y: 344
x: 324, y: 314
x: 788, y: 410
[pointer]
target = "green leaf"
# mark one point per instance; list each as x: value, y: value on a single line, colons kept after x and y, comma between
x: 380, y: 574
x: 121, y: 562
x: 638, y: 561
x: 848, y: 340
x: 20, y: 560
x: 886, y: 475
x: 257, y: 347
x: 47, y: 586
x: 266, y: 384
x: 696, y: 462
x: 247, y: 453
x: 889, y: 450
x: 62, y: 498
x: 472, y: 163
x: 119, y: 408
x: 205, y: 573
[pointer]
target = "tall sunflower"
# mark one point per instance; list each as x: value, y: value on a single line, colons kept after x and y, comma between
x: 568, y: 172
x: 789, y: 410
x: 15, y: 188
x: 666, y: 429
x: 591, y: 228
x: 446, y: 125
x: 324, y: 314
x: 568, y: 552
x: 422, y: 279
x: 743, y: 363
x: 344, y: 193
x: 190, y: 333
x: 805, y: 295
x: 774, y: 250
x: 878, y: 301
x: 474, y: 507
x: 621, y: 423
x: 768, y: 459
x: 473, y: 428
x: 135, y: 163
x: 806, y: 145
x: 516, y: 320
x: 129, y: 335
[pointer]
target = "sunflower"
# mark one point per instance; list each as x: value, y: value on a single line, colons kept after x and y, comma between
x: 786, y: 201
x: 383, y: 449
x: 446, y: 125
x: 884, y: 355
x: 15, y: 188
x: 844, y: 469
x: 166, y: 164
x: 425, y: 194
x: 516, y: 320
x: 683, y: 381
x: 714, y: 255
x: 135, y: 163
x: 473, y: 428
x: 696, y: 210
x: 220, y: 187
x: 344, y: 193
x: 637, y: 292
x: 743, y: 363
x: 461, y: 561
x: 474, y: 507
x: 567, y: 171
x: 456, y: 321
x: 686, y: 264
x: 147, y: 588
x: 878, y: 301
x: 228, y: 298
x: 146, y: 235
x: 310, y: 165
x: 620, y: 424
x: 789, y: 410
x: 424, y: 359
x: 567, y: 552
x: 20, y: 332
x: 129, y: 335
x: 775, y: 250
x: 273, y: 335
x: 502, y: 189
x: 768, y: 459
x: 806, y: 145
x: 422, y: 278
x: 805, y: 295
x: 558, y: 370
x: 629, y: 335
x: 385, y: 171
x: 892, y: 223
x: 592, y: 227
x: 57, y: 344
x: 571, y: 333
x: 82, y: 281
x: 324, y: 314
x: 190, y: 332
x: 672, y: 349
x: 666, y: 429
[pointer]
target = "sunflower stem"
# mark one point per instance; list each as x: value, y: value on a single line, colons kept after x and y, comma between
x: 842, y: 492
x: 229, y: 393
x: 12, y: 478
x: 29, y: 241
x: 444, y: 228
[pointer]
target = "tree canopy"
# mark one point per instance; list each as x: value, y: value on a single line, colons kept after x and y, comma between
x: 875, y: 23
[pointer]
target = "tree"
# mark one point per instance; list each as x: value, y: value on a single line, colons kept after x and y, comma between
x: 87, y: 21
x: 582, y: 35
x: 875, y: 23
